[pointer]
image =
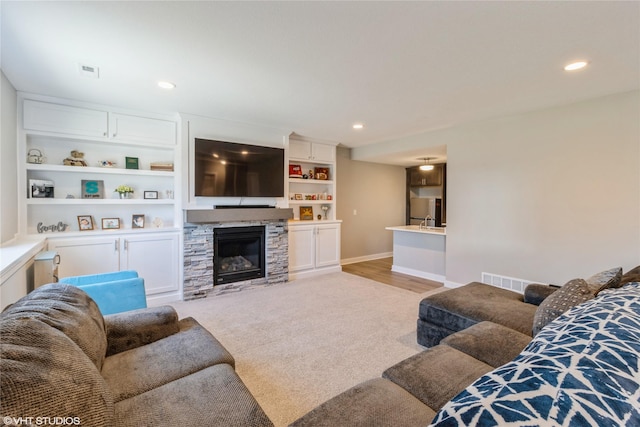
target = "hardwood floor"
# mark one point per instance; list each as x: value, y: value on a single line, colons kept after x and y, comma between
x: 380, y: 271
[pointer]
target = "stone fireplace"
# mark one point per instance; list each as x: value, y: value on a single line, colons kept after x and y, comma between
x: 203, y: 230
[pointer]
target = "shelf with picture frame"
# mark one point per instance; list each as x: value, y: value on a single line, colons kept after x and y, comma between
x: 149, y: 138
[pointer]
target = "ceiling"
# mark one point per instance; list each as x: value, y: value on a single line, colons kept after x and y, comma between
x: 316, y: 68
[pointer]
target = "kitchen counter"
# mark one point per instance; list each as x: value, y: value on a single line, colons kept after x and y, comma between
x: 418, y: 229
x: 419, y: 251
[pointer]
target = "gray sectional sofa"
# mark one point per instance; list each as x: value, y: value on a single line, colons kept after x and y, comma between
x: 61, y: 359
x: 565, y: 356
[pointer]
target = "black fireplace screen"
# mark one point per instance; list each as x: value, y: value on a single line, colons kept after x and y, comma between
x: 238, y: 254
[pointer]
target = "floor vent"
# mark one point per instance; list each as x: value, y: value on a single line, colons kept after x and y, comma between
x: 505, y: 282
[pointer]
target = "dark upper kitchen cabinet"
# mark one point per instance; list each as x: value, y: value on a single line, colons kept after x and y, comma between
x: 432, y: 178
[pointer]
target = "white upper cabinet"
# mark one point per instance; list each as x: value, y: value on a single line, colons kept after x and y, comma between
x: 86, y: 122
x: 305, y: 150
x: 128, y: 128
x: 56, y: 118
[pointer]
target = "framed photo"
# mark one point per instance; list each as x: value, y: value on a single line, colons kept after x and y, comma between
x: 85, y: 222
x: 306, y: 213
x: 298, y: 196
x: 92, y: 189
x: 131, y: 162
x: 110, y: 223
x: 137, y: 221
x: 40, y: 188
x: 150, y: 194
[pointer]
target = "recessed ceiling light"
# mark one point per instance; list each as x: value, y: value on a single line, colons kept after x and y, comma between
x: 358, y: 126
x: 166, y: 85
x: 575, y: 66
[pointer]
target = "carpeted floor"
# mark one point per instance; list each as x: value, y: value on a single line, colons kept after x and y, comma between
x: 300, y: 343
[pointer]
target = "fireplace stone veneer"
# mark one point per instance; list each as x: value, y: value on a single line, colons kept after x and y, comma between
x: 198, y: 258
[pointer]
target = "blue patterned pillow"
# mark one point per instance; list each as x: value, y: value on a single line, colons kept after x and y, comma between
x: 583, y: 370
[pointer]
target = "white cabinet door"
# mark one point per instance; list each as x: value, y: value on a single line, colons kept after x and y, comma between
x: 155, y: 258
x: 126, y: 128
x: 327, y: 245
x: 48, y: 117
x: 81, y: 256
x: 301, y: 247
x: 299, y: 149
x: 323, y: 153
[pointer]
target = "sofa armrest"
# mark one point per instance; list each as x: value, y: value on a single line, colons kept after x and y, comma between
x: 136, y: 328
x: 535, y: 293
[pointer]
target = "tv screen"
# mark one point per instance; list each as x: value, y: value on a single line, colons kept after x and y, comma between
x: 229, y: 169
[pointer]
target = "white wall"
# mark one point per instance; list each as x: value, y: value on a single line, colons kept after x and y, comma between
x: 8, y: 166
x: 548, y: 195
x: 377, y: 193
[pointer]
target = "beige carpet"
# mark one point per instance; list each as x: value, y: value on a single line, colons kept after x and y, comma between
x: 300, y: 343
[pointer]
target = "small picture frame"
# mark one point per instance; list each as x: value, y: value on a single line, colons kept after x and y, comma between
x: 92, y: 189
x: 85, y: 222
x: 137, y: 221
x: 150, y: 194
x: 298, y: 196
x: 131, y: 162
x: 306, y: 213
x: 110, y: 223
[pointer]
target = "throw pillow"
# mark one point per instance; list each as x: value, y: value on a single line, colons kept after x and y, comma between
x: 632, y: 275
x: 605, y: 280
x: 574, y: 292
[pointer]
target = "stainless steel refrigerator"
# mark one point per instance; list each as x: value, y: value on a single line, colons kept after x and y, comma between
x: 425, y: 207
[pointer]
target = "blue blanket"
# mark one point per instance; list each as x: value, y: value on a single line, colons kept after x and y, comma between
x: 582, y: 369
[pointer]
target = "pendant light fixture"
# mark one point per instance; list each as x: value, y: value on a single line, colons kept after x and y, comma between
x: 426, y: 166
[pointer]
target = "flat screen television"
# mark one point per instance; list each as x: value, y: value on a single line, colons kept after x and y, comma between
x: 229, y: 169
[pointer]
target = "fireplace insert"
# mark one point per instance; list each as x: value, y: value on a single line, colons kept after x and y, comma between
x: 238, y: 254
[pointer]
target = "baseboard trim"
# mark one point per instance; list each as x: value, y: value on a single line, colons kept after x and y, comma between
x: 450, y: 284
x: 364, y: 258
x: 315, y: 272
x: 418, y: 273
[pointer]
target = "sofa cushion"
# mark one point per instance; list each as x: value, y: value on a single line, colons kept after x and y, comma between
x: 44, y: 373
x: 632, y: 275
x: 605, y: 280
x: 144, y: 368
x: 535, y: 293
x: 571, y: 294
x: 69, y: 310
x: 437, y: 374
x: 376, y: 402
x: 214, y: 396
x: 459, y: 308
x: 489, y: 342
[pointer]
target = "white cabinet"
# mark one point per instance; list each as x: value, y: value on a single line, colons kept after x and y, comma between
x: 314, y: 248
x: 127, y: 128
x: 155, y: 256
x: 307, y: 150
x: 64, y: 119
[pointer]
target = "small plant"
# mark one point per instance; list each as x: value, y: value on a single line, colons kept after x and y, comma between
x: 123, y: 189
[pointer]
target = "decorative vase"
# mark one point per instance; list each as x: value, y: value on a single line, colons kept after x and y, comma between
x: 125, y: 195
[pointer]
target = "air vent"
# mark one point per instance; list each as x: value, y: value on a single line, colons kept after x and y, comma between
x: 89, y: 71
x: 505, y: 282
